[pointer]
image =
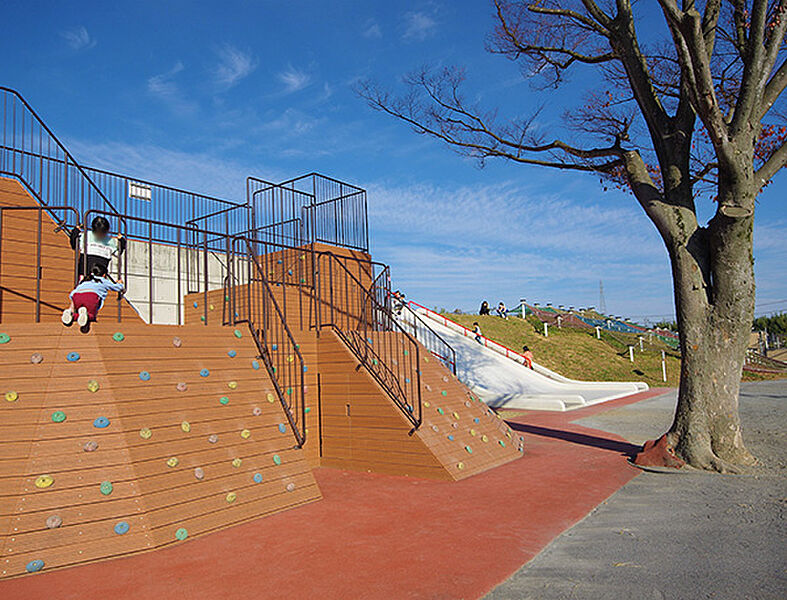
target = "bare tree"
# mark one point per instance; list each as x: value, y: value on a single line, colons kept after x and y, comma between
x: 693, y: 114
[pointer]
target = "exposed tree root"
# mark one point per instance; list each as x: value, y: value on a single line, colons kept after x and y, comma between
x: 660, y: 453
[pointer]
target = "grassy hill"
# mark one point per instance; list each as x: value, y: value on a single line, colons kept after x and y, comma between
x: 576, y: 353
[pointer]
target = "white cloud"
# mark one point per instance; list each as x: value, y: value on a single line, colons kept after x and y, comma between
x: 78, y: 38
x: 418, y: 26
x: 164, y: 87
x: 294, y: 79
x: 233, y: 66
x: 371, y: 30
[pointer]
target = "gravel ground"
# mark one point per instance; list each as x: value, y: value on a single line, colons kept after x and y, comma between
x: 684, y: 536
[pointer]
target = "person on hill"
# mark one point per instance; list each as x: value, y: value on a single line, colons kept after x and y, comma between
x: 399, y: 301
x: 477, y: 332
x: 528, y: 356
x: 502, y: 310
x: 101, y: 247
x: 484, y: 310
x: 88, y: 297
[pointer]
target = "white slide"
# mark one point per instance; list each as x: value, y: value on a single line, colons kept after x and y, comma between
x: 500, y: 379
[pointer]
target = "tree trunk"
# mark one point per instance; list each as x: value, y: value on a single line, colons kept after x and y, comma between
x: 714, y: 297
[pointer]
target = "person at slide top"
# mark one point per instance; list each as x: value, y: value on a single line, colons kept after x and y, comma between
x: 502, y: 310
x: 484, y: 310
x: 88, y: 297
x: 101, y: 247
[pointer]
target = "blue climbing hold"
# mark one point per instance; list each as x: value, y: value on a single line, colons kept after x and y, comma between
x: 257, y: 478
x: 34, y: 566
x: 476, y: 420
x: 101, y: 423
x: 255, y: 365
x: 451, y: 437
x: 195, y: 304
x: 204, y: 373
x: 232, y: 354
x: 407, y: 380
x: 144, y: 376
x: 282, y: 428
x: 72, y: 357
x: 305, y: 369
x: 279, y: 261
x: 121, y: 527
x: 369, y: 340
x: 274, y: 347
x: 289, y: 272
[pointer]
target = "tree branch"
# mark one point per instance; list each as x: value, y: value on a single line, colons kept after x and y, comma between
x: 773, y: 89
x: 776, y: 161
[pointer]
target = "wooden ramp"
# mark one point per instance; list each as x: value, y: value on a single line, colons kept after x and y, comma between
x: 363, y: 429
x: 188, y: 441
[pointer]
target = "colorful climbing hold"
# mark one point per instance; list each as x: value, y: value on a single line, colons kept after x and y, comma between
x: 236, y: 462
x: 172, y: 461
x: 277, y: 459
x: 232, y: 353
x: 145, y: 433
x: 282, y: 428
x: 231, y: 497
x: 270, y: 398
x: 105, y: 488
x: 224, y: 400
x: 53, y: 522
x: 275, y: 347
x: 289, y: 391
x: 427, y: 404
x: 144, y: 376
x: 58, y: 416
x: 455, y: 414
x: 476, y: 420
x: 469, y: 449
x: 502, y: 443
x: 450, y: 437
x: 237, y: 333
x: 34, y: 566
x: 290, y: 487
x: 37, y: 358
x: 72, y: 356
x: 185, y: 426
x: 211, y: 307
x: 92, y: 385
x: 455, y: 425
x: 257, y: 478
x: 121, y: 527
x: 484, y: 438
x: 4, y: 338
x: 44, y: 481
x: 444, y: 393
x: 101, y: 423
x: 177, y: 342
x: 435, y: 428
x: 440, y: 410
x: 255, y: 365
x: 467, y: 403
x: 90, y: 446
x: 182, y: 386
x: 118, y: 336
x: 11, y: 396
x: 307, y: 410
x: 213, y: 438
x: 181, y: 534
x: 204, y: 372
x: 407, y: 353
x: 245, y: 434
x: 195, y: 304
x: 199, y: 473
x: 232, y: 385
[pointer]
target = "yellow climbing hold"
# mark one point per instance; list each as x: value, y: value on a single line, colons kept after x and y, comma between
x: 232, y: 385
x: 236, y: 462
x: 289, y: 358
x: 145, y: 433
x: 270, y: 398
x: 211, y: 307
x: 456, y: 415
x: 92, y: 385
x: 173, y: 461
x: 472, y: 432
x: 185, y: 426
x: 460, y: 465
x: 44, y: 481
x: 484, y: 438
x: 245, y: 434
x: 231, y: 497
x: 11, y: 396
x: 427, y: 404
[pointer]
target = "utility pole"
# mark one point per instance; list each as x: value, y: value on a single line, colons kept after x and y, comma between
x: 602, y: 301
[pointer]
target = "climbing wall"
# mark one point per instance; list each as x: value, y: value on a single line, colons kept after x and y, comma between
x: 362, y: 429
x: 135, y: 437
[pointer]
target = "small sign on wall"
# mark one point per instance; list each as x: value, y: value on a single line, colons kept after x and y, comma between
x: 139, y: 191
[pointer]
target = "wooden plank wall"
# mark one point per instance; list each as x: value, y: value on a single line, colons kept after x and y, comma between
x: 155, y: 498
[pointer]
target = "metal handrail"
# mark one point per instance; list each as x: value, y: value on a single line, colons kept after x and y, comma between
x: 446, y: 354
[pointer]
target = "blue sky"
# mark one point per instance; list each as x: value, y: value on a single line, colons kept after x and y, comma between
x: 199, y: 95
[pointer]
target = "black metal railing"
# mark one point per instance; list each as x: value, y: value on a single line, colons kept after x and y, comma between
x: 256, y: 305
x: 417, y: 327
x: 369, y: 330
x: 30, y: 152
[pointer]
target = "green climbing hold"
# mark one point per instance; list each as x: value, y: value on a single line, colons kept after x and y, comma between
x: 444, y: 393
x: 4, y: 338
x: 58, y: 416
x: 224, y: 400
x: 307, y: 410
x: 502, y: 443
x: 118, y: 337
x: 237, y: 333
x: 277, y: 459
x: 469, y: 449
x: 441, y: 411
x: 181, y: 534
x: 106, y: 487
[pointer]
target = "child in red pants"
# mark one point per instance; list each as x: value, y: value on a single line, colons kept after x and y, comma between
x: 88, y: 297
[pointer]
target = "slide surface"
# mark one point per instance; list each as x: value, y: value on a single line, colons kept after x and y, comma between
x: 502, y: 382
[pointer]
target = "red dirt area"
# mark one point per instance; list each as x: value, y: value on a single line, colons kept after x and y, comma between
x: 375, y: 536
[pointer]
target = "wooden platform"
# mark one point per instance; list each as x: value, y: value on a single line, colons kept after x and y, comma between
x: 250, y: 470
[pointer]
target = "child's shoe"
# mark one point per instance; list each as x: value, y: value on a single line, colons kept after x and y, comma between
x: 68, y: 317
x: 82, y: 316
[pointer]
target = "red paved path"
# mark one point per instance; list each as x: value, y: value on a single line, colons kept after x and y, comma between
x: 380, y: 537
